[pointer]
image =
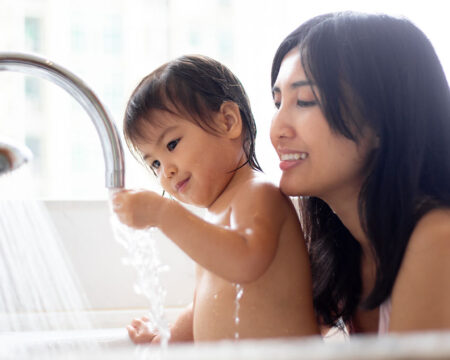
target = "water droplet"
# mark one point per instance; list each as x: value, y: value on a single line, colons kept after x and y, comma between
x: 239, y: 294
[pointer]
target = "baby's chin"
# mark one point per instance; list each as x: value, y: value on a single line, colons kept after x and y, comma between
x: 188, y: 201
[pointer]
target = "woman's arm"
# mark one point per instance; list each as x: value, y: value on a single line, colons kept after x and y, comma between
x: 421, y: 294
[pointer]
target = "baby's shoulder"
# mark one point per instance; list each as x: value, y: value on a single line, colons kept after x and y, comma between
x: 261, y: 187
x: 261, y: 193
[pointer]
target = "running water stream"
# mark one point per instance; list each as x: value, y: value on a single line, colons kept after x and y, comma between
x: 39, y: 290
x: 143, y: 255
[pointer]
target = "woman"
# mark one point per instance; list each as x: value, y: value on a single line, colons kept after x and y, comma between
x: 362, y: 129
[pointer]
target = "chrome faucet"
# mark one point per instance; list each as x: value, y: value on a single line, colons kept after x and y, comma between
x: 12, y: 155
x: 107, y: 132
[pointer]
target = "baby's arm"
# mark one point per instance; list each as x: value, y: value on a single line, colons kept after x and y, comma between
x: 238, y: 253
x: 180, y: 331
x: 183, y: 330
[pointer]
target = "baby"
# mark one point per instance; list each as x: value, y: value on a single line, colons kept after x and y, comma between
x: 190, y: 122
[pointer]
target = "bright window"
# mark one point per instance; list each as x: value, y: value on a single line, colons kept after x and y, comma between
x: 112, y: 44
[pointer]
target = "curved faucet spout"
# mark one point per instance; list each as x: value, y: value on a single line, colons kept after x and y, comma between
x: 109, y: 138
x: 12, y: 156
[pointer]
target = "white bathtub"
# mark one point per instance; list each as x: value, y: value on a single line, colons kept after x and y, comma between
x: 114, y: 344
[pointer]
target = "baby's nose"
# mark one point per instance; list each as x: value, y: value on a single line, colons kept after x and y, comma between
x: 170, y: 170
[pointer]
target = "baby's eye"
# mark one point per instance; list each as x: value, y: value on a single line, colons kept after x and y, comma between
x: 173, y: 144
x: 155, y: 164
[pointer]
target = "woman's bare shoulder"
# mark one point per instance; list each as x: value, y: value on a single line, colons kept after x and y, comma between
x: 421, y: 290
x: 432, y: 230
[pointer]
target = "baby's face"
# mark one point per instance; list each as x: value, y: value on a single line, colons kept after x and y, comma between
x: 191, y: 164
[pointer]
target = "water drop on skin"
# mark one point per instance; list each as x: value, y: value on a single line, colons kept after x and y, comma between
x: 239, y: 294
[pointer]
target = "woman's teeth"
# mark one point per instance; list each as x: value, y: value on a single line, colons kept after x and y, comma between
x: 297, y: 156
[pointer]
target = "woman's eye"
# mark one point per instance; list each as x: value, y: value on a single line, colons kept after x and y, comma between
x: 277, y: 105
x: 173, y: 144
x: 155, y: 164
x: 302, y: 103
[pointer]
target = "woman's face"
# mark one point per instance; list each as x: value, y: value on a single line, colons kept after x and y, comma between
x: 315, y: 161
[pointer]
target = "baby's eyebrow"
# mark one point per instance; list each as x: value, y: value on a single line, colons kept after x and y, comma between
x: 146, y: 156
x: 160, y: 138
x: 164, y: 133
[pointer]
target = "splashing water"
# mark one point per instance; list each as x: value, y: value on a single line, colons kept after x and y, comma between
x: 239, y: 294
x: 144, y: 257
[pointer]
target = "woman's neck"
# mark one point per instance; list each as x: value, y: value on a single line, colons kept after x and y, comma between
x: 346, y: 206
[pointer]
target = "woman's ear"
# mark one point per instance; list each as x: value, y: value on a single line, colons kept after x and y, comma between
x: 230, y: 120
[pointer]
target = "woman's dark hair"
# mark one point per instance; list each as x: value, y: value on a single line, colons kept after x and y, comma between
x: 193, y: 87
x: 382, y: 72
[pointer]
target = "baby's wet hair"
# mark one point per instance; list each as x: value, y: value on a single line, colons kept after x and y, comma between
x: 193, y: 87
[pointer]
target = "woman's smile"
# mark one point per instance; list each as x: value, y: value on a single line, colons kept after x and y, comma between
x: 289, y: 160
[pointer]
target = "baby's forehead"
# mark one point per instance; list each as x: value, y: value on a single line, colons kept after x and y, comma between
x: 157, y: 121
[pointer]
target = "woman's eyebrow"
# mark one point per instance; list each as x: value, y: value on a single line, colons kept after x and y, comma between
x: 276, y: 89
x: 300, y: 83
x: 294, y: 85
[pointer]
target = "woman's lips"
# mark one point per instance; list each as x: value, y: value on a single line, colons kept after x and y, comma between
x: 289, y: 160
x: 182, y: 185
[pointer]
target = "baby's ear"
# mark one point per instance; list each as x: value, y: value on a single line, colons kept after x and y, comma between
x: 230, y: 120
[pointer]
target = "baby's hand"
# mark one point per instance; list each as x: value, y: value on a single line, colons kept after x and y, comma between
x: 140, y: 333
x: 138, y: 208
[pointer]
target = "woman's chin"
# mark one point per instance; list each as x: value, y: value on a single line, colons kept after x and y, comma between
x: 289, y: 189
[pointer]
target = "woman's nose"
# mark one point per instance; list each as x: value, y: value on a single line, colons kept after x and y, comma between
x: 280, y: 127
